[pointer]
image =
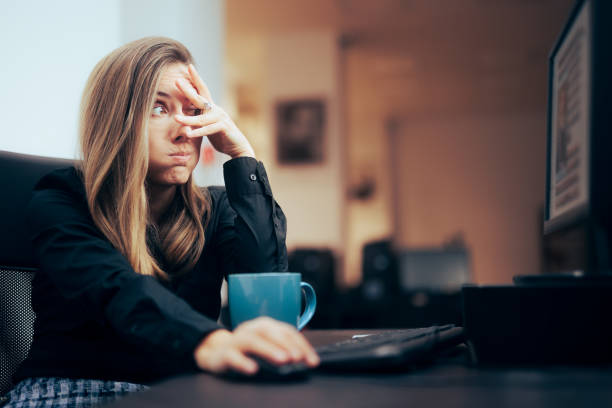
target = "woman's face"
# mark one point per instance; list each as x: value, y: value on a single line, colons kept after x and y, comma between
x: 172, y: 155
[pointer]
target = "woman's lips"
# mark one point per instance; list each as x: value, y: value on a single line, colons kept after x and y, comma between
x: 181, y: 157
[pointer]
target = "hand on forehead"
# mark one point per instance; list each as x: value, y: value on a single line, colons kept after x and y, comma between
x: 187, y: 82
x: 169, y: 77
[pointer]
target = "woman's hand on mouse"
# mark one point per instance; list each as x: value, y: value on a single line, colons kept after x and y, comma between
x: 275, y: 341
x: 212, y: 121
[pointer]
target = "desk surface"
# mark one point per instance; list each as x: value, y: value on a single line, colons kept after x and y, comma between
x: 451, y: 383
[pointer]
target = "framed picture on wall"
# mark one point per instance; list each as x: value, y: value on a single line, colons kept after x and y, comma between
x: 300, y: 131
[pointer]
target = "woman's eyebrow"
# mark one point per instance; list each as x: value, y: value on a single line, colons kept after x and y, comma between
x: 170, y: 97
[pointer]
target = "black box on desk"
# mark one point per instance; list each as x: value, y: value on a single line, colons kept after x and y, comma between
x: 539, y: 324
x: 409, y: 309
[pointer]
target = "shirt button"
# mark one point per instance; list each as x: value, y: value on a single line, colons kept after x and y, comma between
x: 253, y: 177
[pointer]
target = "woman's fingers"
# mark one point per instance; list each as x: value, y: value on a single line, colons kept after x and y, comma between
x: 199, y: 83
x: 286, y: 337
x: 309, y: 352
x: 204, y: 119
x: 262, y: 347
x: 189, y: 91
x: 206, y: 130
x: 236, y: 360
x: 203, y: 125
x: 294, y: 343
x: 283, y: 340
x: 299, y: 342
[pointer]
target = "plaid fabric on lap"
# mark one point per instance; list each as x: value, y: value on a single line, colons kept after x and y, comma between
x: 67, y: 393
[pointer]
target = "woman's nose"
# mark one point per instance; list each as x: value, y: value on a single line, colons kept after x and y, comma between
x: 181, y: 134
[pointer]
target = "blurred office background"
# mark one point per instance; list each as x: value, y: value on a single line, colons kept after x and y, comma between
x: 423, y: 121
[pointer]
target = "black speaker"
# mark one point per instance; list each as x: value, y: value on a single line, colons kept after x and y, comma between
x: 318, y: 268
x: 380, y: 277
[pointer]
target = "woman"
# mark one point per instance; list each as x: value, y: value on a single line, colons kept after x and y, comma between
x: 132, y: 254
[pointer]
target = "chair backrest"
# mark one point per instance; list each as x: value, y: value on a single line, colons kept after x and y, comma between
x: 16, y: 322
x: 18, y: 175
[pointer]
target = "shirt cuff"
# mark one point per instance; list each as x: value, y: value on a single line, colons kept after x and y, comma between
x: 245, y: 175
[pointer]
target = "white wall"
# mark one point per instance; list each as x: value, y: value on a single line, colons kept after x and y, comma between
x: 197, y: 24
x: 51, y: 47
x: 300, y: 65
x: 481, y: 175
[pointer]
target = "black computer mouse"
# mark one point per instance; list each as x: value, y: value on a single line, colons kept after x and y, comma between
x: 270, y: 372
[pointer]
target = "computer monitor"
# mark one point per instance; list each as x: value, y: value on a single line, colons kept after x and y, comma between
x: 577, y: 216
x: 433, y: 269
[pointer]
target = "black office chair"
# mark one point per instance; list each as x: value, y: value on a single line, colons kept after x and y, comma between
x: 18, y: 175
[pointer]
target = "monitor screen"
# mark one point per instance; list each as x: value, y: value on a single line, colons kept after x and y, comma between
x: 434, y: 269
x: 569, y: 119
x: 577, y: 218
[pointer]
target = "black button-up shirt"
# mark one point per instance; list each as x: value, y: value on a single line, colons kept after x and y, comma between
x: 97, y: 318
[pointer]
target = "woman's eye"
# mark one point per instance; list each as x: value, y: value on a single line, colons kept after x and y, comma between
x: 194, y: 111
x: 158, y: 110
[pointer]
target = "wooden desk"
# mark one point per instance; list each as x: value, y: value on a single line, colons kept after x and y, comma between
x: 451, y: 383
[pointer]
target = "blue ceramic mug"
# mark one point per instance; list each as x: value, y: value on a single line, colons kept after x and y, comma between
x: 275, y: 294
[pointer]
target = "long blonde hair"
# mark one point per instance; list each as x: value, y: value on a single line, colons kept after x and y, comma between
x: 115, y: 111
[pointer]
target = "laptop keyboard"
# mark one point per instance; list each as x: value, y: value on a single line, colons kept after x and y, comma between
x: 387, y: 350
x: 368, y: 342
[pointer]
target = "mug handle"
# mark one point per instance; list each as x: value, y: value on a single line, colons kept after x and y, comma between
x: 310, y: 299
